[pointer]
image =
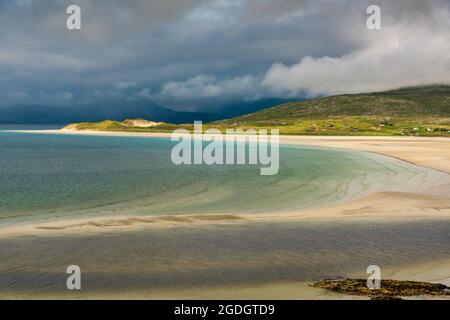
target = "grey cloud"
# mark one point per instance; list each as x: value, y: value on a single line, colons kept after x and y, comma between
x: 181, y: 52
x: 406, y: 52
x: 124, y: 85
x: 204, y: 86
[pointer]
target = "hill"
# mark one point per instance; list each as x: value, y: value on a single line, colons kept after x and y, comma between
x: 129, y: 125
x: 407, y: 111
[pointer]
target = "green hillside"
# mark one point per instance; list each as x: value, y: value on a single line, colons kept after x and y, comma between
x: 409, y: 111
x: 410, y: 102
x: 124, y: 126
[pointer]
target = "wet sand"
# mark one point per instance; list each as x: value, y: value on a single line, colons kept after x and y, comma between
x: 243, y: 260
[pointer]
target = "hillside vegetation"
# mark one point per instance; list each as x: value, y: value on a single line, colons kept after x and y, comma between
x: 129, y: 125
x: 419, y: 111
x: 409, y: 111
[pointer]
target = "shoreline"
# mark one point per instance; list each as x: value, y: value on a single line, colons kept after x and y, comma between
x: 355, y: 143
x: 432, y: 204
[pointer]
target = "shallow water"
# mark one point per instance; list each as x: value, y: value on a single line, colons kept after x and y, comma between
x: 43, y: 176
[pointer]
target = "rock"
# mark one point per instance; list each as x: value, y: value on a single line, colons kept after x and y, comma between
x: 385, y: 298
x: 389, y: 288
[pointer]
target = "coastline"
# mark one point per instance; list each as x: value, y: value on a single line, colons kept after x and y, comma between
x: 434, y: 203
x: 382, y: 208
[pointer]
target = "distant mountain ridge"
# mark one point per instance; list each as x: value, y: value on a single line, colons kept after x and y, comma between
x: 119, y: 111
x: 32, y: 114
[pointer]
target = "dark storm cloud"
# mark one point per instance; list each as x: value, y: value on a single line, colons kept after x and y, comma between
x: 182, y: 53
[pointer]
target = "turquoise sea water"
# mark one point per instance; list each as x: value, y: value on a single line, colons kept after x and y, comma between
x: 52, y: 175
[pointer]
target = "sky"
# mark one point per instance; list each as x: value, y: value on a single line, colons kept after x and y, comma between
x: 190, y: 55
